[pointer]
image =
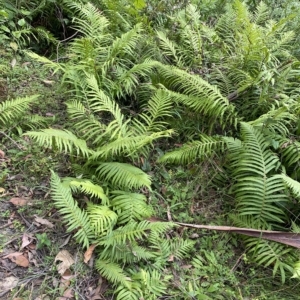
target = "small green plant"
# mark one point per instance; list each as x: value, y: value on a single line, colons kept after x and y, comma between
x: 42, y: 241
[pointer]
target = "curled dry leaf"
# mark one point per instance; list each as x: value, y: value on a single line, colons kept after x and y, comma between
x: 88, y: 253
x: 66, y: 261
x: 26, y: 240
x: 43, y: 222
x: 18, y: 201
x: 18, y: 258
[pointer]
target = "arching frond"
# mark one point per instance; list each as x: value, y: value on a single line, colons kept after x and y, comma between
x: 75, y: 218
x: 62, y: 140
x: 123, y: 175
x: 12, y: 109
x: 191, y: 151
x: 112, y: 271
x: 203, y: 97
x: 87, y: 187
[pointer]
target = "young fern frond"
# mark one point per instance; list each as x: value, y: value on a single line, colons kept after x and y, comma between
x: 123, y: 175
x: 130, y: 207
x: 192, y: 151
x: 62, y: 140
x: 75, y: 218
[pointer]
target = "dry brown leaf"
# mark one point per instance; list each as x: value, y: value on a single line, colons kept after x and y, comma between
x: 67, y: 275
x: 88, y: 253
x: 43, y: 222
x: 18, y: 258
x: 18, y: 201
x: 66, y: 261
x: 26, y: 240
x: 2, y: 154
x: 8, y: 283
x: 69, y: 293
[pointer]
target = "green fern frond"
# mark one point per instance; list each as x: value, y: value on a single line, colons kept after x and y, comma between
x: 203, y: 97
x: 13, y: 109
x: 130, y: 207
x: 290, y: 151
x: 101, y: 102
x: 128, y: 80
x: 75, y: 218
x: 128, y: 145
x: 168, y: 47
x: 134, y: 231
x: 87, y: 187
x: 153, y: 283
x: 112, y: 271
x: 268, y: 253
x: 256, y: 189
x: 157, y: 110
x: 62, y: 140
x: 293, y: 185
x: 90, y: 20
x: 123, y: 175
x: 191, y: 151
x: 275, y: 120
x: 102, y: 219
x: 124, y: 45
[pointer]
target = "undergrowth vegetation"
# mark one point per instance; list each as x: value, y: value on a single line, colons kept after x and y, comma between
x: 155, y: 86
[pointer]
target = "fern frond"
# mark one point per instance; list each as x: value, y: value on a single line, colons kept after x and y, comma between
x: 128, y: 145
x: 63, y: 140
x: 257, y: 190
x: 203, y: 97
x: 293, y: 185
x: 268, y: 253
x: 13, y: 109
x: 157, y: 110
x: 87, y: 187
x: 102, y: 219
x: 123, y: 175
x: 130, y: 207
x: 75, y: 218
x: 90, y: 21
x: 133, y: 231
x: 153, y: 284
x: 191, y: 151
x: 101, y: 102
x: 112, y: 271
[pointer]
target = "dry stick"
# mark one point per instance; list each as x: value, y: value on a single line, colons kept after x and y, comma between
x: 19, y: 147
